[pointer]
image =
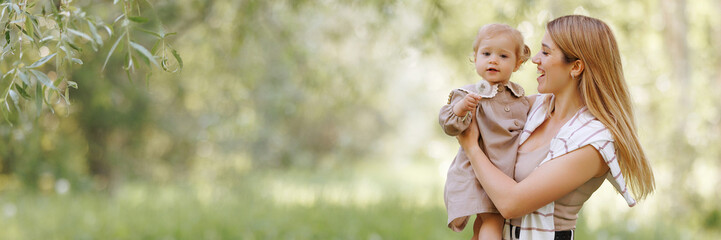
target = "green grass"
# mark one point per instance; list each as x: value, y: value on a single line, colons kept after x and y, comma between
x: 238, y: 211
x: 250, y: 207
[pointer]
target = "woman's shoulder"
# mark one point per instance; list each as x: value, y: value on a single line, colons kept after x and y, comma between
x: 539, y: 103
x: 584, y: 128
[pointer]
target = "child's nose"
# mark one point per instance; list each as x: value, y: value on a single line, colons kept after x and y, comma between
x: 493, y: 59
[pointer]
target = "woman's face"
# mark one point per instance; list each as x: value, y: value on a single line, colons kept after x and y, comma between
x: 555, y: 72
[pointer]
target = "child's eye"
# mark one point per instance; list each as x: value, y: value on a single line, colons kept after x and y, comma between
x: 504, y: 56
x: 545, y: 53
x: 486, y: 54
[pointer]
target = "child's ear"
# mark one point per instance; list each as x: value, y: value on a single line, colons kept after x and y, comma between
x: 518, y: 65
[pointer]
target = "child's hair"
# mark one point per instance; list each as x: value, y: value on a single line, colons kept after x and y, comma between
x: 495, y: 29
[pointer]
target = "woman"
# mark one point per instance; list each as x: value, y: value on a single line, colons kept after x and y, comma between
x: 580, y: 129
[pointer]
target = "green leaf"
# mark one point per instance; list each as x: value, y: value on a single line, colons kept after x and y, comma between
x: 8, y: 73
x: 75, y: 47
x: 150, y: 32
x: 118, y: 18
x: 52, y: 110
x: 57, y: 81
x: 5, y: 114
x: 154, y: 50
x: 17, y: 9
x: 137, y: 19
x: 39, y: 98
x: 81, y: 34
x: 42, y: 61
x: 127, y: 73
x: 112, y: 49
x: 72, y: 84
x: 145, y: 52
x: 94, y: 31
x: 23, y: 77
x: 177, y: 57
x: 29, y: 26
x: 2, y: 12
x: 15, y: 97
x: 22, y: 92
x: 47, y: 38
x: 40, y: 76
x: 22, y: 29
x: 6, y: 50
x: 109, y: 30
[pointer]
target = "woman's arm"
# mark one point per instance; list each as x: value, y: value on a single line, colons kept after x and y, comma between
x: 545, y: 184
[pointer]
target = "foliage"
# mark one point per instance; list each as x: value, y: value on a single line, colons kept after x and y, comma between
x: 43, y: 40
x: 320, y: 88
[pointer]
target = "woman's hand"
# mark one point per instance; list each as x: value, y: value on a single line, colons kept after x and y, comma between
x: 469, y: 138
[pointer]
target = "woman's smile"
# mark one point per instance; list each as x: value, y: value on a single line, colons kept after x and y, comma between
x: 543, y: 74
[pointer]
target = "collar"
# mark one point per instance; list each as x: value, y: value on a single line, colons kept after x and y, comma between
x: 488, y: 90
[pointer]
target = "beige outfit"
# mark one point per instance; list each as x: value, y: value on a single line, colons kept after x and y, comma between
x: 566, y: 208
x: 500, y: 119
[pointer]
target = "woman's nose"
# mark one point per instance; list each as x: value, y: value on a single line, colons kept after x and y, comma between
x: 536, y: 59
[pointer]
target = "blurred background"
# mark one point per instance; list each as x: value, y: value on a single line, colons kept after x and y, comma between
x: 318, y: 120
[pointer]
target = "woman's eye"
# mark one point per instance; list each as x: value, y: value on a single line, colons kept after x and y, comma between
x: 545, y: 53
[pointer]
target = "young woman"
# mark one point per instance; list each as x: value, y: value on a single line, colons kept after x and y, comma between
x: 579, y: 130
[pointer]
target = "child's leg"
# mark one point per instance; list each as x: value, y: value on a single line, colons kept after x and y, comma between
x: 477, y: 227
x: 491, y: 227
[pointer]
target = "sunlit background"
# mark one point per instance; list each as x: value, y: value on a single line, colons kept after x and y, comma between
x: 318, y: 120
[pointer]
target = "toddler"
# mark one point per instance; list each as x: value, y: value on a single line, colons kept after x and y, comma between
x: 501, y: 111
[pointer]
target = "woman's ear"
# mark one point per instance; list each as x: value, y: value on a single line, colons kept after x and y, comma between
x: 577, y: 69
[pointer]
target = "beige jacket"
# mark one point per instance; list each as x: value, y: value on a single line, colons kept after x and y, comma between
x: 500, y: 119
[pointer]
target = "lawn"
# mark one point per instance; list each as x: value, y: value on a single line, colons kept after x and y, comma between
x: 267, y: 205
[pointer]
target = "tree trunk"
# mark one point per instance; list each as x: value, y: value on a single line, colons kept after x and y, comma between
x: 682, y: 154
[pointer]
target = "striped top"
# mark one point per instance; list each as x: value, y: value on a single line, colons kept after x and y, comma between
x: 581, y: 130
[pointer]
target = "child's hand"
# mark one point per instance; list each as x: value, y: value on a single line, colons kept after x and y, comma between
x: 468, y: 103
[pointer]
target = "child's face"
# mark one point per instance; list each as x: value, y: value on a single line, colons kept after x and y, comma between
x: 496, y: 59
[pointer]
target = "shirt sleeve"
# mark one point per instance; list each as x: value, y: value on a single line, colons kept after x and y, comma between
x: 594, y: 133
x: 452, y: 124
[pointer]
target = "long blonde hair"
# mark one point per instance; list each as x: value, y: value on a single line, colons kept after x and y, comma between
x: 604, y: 91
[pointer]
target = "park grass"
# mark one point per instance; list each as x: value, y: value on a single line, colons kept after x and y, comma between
x: 243, y: 207
x: 238, y: 208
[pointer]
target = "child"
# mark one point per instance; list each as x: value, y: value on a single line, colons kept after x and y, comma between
x: 501, y: 114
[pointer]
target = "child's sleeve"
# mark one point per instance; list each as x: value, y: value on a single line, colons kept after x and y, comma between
x: 452, y: 124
